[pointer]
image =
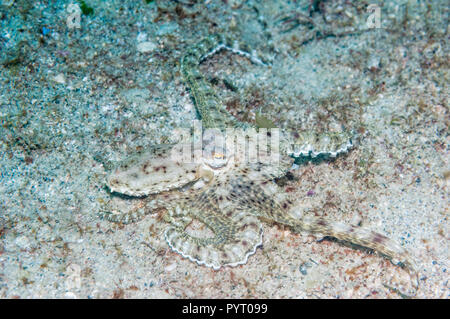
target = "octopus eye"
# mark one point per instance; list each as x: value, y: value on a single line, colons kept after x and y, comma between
x: 218, y: 156
x: 216, y: 159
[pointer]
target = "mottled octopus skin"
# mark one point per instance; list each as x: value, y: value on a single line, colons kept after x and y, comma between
x: 230, y: 200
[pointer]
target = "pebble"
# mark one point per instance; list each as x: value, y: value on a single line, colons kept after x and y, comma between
x: 304, y: 268
x: 170, y: 267
x: 22, y: 242
x: 146, y: 46
x: 60, y: 78
x: 374, y: 63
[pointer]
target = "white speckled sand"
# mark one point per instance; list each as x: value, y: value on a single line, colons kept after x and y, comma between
x: 74, y: 101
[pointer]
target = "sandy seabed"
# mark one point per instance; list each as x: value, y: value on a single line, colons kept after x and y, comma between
x: 75, y: 99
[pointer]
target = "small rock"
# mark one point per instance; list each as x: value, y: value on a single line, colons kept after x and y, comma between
x: 304, y: 268
x: 374, y: 64
x: 22, y: 242
x: 60, y: 78
x: 311, y: 193
x: 146, y: 46
x: 170, y: 267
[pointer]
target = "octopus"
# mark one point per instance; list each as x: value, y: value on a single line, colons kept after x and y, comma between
x: 223, y: 180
